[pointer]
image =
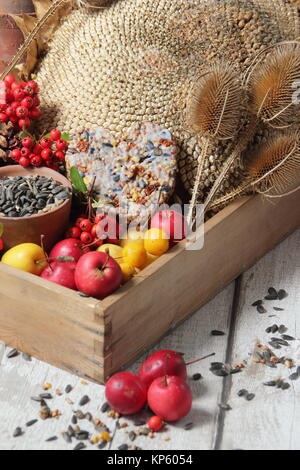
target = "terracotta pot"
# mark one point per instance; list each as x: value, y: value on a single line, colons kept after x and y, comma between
x: 10, y: 35
x: 51, y: 224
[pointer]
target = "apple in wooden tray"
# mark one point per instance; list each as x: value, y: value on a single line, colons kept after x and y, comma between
x: 98, y: 275
x: 172, y: 223
x: 61, y: 272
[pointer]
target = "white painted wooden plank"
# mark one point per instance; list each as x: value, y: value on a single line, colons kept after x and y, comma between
x: 272, y: 420
x: 19, y: 380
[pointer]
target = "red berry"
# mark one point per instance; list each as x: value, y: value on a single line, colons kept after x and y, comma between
x: 1, y: 244
x: 22, y: 112
x: 10, y: 111
x: 32, y: 84
x: 34, y: 113
x: 36, y: 101
x: 24, y: 123
x: 86, y: 237
x: 27, y: 102
x: 25, y: 152
x: 14, y: 86
x: 94, y: 231
x: 155, y: 423
x: 27, y: 142
x: 55, y: 135
x: 60, y: 156
x: 22, y: 84
x: 86, y: 225
x: 15, y: 105
x: 14, y: 119
x: 37, y: 149
x: 61, y: 144
x: 9, y: 80
x: 99, y: 217
x: 6, y: 95
x: 35, y: 160
x: 3, y: 107
x: 46, y: 143
x: 29, y: 90
x: 46, y: 154
x: 73, y: 232
x: 78, y: 221
x: 15, y: 154
x: 19, y: 94
x: 3, y: 117
x: 25, y: 162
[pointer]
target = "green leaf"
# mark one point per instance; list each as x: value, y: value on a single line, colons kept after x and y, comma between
x: 1, y: 229
x: 77, y: 180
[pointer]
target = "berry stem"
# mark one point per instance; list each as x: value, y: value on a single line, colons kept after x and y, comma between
x: 201, y: 359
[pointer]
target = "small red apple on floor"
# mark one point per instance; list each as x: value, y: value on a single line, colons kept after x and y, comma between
x: 171, y: 222
x: 170, y: 398
x: 70, y: 247
x: 126, y: 393
x: 165, y: 362
x: 98, y: 275
x: 61, y: 272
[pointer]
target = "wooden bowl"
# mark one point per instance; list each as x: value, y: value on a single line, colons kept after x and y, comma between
x: 52, y: 224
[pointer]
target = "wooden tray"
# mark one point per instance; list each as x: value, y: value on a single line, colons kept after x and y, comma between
x: 93, y: 339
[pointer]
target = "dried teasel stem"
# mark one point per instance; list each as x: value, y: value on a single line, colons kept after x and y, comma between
x: 273, y: 167
x: 214, y: 113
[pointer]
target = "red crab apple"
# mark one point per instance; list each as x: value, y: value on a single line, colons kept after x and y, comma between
x: 172, y: 222
x: 170, y: 398
x: 98, y: 275
x: 165, y: 362
x: 126, y: 393
x: 69, y: 247
x: 62, y: 273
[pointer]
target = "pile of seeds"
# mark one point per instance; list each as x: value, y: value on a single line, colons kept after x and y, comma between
x: 272, y: 294
x: 25, y: 196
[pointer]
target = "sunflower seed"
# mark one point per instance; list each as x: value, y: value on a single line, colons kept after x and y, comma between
x: 274, y: 345
x: 219, y: 372
x: 82, y: 294
x: 89, y: 417
x: 68, y: 389
x: 67, y: 438
x: 84, y: 400
x: 217, y: 333
x: 123, y: 447
x: 282, y: 294
x: 132, y: 436
x: 294, y: 376
x: 26, y: 357
x: 102, y: 445
x: 279, y: 383
x: 52, y: 439
x: 74, y: 420
x: 139, y: 423
x: 280, y: 341
x: 288, y: 338
x: 71, y: 431
x: 197, y: 377
x: 46, y: 396
x: 272, y: 383
x: 257, y: 303
x: 12, y: 353
x: 82, y: 435
x: 282, y: 329
x: 31, y: 423
x: 17, y: 432
x: 79, y: 415
x: 216, y: 365
x: 37, y: 399
x: 80, y: 446
x: 250, y: 396
x: 272, y: 294
x: 285, y: 386
x: 188, y: 426
x: 269, y: 329
x: 105, y: 407
x: 274, y: 329
x: 261, y: 309
x: 224, y: 407
x: 278, y: 309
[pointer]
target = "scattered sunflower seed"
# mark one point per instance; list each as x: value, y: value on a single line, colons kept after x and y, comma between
x: 217, y: 333
x: 52, y: 439
x: 102, y: 445
x: 71, y: 431
x: 269, y: 329
x: 68, y: 389
x: 250, y: 396
x: 282, y: 294
x: 67, y: 438
x: 37, y: 399
x: 224, y: 407
x: 46, y: 396
x: 82, y: 294
x: 280, y: 341
x: 74, y: 420
x: 257, y: 303
x: 140, y: 423
x: 288, y: 338
x: 12, y: 353
x: 82, y: 435
x: 272, y: 294
x: 84, y: 400
x: 261, y: 309
x: 17, y: 432
x: 274, y: 329
x: 89, y: 417
x: 285, y: 386
x: 79, y: 415
x: 105, y: 407
x: 123, y: 447
x: 272, y: 383
x: 242, y: 393
x: 132, y: 436
x: 197, y: 377
x: 80, y: 446
x: 31, y: 423
x: 282, y: 329
x: 188, y: 426
x: 294, y: 376
x: 274, y: 345
x: 278, y: 309
x: 26, y: 357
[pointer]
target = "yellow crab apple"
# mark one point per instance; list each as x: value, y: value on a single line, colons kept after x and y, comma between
x: 28, y: 257
x: 115, y: 251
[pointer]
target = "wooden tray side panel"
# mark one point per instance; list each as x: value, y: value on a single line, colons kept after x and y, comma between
x: 51, y: 323
x: 183, y: 281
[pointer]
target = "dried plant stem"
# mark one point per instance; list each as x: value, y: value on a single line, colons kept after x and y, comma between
x: 247, y: 137
x: 17, y: 58
x: 201, y: 161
